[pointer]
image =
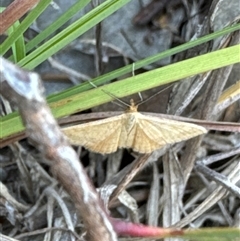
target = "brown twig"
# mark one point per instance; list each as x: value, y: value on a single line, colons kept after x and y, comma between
x: 210, y: 125
x: 25, y: 89
x: 138, y: 165
x: 14, y: 12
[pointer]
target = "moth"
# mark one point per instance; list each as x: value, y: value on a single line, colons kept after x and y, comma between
x: 142, y: 133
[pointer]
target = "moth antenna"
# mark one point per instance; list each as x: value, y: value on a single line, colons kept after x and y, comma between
x: 115, y: 97
x: 118, y: 104
x: 141, y: 102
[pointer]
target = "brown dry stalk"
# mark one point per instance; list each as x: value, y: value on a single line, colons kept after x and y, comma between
x: 210, y: 125
x: 14, y: 12
x: 137, y: 166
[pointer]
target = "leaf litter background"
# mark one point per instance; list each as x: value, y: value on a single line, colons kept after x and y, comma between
x: 161, y: 194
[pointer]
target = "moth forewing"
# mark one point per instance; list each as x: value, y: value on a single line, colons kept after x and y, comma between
x: 153, y: 133
x: 170, y: 131
x: 98, y: 136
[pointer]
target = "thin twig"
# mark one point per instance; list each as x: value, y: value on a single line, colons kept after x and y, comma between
x: 14, y: 12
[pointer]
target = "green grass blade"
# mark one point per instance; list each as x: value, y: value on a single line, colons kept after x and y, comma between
x: 148, y: 80
x: 139, y: 64
x: 57, y: 24
x: 71, y: 33
x: 18, y: 47
x: 212, y: 234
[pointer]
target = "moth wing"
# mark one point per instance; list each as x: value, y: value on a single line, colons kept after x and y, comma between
x: 153, y: 133
x: 100, y: 136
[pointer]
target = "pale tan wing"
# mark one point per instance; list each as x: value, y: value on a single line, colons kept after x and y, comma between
x: 100, y: 136
x: 152, y: 133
